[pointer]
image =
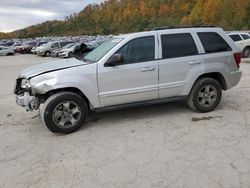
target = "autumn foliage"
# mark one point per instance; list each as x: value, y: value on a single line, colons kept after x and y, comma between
x: 123, y: 16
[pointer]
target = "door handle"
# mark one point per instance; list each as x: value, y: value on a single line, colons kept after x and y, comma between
x: 194, y: 62
x: 146, y: 69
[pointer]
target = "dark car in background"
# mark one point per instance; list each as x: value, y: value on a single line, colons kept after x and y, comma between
x: 25, y: 47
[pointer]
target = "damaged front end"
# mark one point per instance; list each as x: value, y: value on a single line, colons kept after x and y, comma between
x: 23, y: 95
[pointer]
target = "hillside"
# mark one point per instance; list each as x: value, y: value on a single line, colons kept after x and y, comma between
x: 122, y: 16
x: 3, y: 35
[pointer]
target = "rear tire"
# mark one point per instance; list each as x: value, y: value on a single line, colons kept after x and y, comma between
x: 205, y: 95
x: 64, y: 112
x: 246, y: 52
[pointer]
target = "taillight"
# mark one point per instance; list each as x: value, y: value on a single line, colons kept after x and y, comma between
x: 237, y: 57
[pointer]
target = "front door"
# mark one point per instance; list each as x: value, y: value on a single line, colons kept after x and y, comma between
x: 133, y: 81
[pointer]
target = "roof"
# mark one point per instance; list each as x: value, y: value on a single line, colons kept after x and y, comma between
x: 172, y: 29
x: 182, y: 27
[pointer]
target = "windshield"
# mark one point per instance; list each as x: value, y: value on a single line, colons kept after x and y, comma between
x: 101, y: 50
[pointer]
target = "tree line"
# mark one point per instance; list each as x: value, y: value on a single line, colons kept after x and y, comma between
x: 123, y: 16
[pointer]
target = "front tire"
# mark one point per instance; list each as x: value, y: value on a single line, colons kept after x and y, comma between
x: 64, y: 112
x: 205, y: 95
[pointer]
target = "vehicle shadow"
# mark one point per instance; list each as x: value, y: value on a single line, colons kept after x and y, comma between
x: 111, y: 118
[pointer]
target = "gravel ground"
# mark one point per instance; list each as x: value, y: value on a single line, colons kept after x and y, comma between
x: 164, y: 145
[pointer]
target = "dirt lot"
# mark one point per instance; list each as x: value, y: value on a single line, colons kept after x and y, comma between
x: 164, y: 145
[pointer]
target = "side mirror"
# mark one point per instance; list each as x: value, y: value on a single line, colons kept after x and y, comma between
x: 116, y: 59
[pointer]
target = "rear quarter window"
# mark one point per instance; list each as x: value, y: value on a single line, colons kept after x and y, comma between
x: 213, y: 42
x: 178, y: 45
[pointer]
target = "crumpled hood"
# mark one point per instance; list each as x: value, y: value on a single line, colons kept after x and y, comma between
x: 50, y: 66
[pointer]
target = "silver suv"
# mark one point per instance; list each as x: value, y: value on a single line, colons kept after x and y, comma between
x: 194, y: 64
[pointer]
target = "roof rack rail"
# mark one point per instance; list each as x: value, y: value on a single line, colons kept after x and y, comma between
x: 181, y: 27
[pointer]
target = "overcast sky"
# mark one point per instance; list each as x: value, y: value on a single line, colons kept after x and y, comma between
x: 17, y: 14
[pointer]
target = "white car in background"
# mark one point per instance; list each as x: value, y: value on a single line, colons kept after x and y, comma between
x: 66, y: 51
x: 35, y: 48
x: 6, y: 51
x: 242, y: 41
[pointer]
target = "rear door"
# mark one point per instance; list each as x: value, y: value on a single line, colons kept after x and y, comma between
x: 179, y: 57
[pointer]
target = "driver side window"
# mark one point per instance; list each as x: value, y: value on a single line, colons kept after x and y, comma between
x: 138, y: 50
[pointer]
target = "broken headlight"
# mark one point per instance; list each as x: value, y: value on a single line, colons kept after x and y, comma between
x: 25, y: 84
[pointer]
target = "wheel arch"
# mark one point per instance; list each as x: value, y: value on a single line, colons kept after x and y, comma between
x: 248, y: 46
x: 217, y: 76
x: 45, y: 96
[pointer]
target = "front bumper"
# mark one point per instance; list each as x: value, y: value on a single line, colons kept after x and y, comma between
x: 34, y: 51
x: 54, y: 54
x: 41, y: 53
x: 63, y: 55
x: 25, y: 100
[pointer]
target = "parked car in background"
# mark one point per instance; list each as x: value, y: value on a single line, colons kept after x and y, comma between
x: 96, y: 43
x: 242, y: 40
x: 82, y: 49
x: 25, y: 47
x: 56, y: 52
x: 78, y: 50
x: 6, y: 51
x: 34, y: 49
x: 46, y: 50
x: 2, y: 44
x: 67, y: 52
x: 192, y: 64
x: 9, y: 43
x: 15, y: 46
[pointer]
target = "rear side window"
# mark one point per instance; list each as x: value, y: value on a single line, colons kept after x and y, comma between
x: 213, y: 43
x: 245, y: 37
x: 235, y: 37
x: 139, y: 50
x: 178, y: 45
